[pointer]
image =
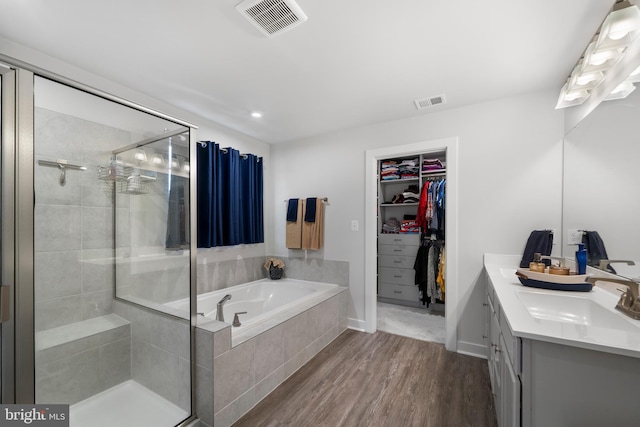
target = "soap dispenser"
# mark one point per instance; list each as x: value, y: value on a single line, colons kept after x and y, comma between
x: 581, y: 259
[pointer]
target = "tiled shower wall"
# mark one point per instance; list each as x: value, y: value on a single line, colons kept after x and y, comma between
x: 73, y: 223
x: 214, y: 275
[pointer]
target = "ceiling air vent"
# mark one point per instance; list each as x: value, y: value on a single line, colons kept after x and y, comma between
x: 429, y: 102
x: 272, y: 17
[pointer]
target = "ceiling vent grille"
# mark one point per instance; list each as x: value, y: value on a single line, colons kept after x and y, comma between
x: 272, y: 17
x: 429, y: 102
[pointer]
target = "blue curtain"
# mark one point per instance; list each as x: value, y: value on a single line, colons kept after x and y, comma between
x: 230, y: 197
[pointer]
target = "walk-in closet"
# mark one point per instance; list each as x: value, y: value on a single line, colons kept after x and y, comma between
x: 411, y: 286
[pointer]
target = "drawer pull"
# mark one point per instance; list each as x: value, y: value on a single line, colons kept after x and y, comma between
x: 397, y: 292
x: 397, y: 262
x: 397, y: 250
x: 397, y: 240
x: 397, y: 277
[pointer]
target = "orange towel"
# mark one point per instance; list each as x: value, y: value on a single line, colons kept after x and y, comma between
x: 294, y: 229
x: 313, y: 232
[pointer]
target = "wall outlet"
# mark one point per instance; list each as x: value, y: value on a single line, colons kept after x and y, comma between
x: 574, y: 237
x: 355, y: 225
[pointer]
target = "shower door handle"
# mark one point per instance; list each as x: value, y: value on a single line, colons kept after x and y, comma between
x: 5, y: 306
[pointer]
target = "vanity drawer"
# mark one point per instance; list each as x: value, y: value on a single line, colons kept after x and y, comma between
x: 396, y: 261
x: 399, y: 249
x: 399, y: 239
x: 399, y: 276
x: 403, y: 292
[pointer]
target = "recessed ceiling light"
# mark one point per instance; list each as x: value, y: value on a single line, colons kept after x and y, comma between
x: 256, y: 114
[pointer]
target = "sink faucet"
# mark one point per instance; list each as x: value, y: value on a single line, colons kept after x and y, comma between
x: 551, y: 258
x: 219, y: 313
x: 604, y: 263
x: 629, y: 303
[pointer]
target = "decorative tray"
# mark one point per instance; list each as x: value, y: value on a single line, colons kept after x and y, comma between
x: 571, y: 282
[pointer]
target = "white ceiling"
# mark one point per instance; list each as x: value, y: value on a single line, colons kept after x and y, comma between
x: 354, y: 62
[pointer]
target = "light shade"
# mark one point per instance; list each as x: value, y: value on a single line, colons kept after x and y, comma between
x: 599, y: 60
x: 140, y: 155
x: 621, y: 91
x: 157, y: 159
x: 175, y: 164
x: 620, y: 28
x: 570, y: 98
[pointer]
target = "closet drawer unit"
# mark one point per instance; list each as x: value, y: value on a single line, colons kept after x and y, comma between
x: 402, y: 250
x: 412, y: 239
x: 403, y: 292
x: 396, y: 261
x: 399, y: 276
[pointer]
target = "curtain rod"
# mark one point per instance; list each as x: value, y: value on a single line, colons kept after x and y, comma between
x: 324, y: 199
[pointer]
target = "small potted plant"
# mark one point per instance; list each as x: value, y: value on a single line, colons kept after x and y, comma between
x: 275, y: 267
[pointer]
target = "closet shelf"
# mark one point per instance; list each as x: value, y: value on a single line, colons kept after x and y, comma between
x: 395, y: 181
x: 397, y: 205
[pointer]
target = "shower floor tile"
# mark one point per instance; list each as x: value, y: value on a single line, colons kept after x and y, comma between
x: 127, y: 404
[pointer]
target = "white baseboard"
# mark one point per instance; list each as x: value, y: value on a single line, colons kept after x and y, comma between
x: 472, y: 349
x: 356, y: 324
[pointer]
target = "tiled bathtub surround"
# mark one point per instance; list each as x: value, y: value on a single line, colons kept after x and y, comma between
x: 246, y: 373
x: 214, y: 275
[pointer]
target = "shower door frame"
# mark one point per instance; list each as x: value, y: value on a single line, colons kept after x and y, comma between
x: 17, y: 181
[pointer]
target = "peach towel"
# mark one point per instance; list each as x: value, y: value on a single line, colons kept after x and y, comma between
x: 294, y: 229
x: 313, y: 232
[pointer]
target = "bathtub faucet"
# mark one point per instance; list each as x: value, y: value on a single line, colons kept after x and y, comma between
x: 219, y: 314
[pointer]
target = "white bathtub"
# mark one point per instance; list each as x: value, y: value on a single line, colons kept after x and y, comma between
x: 262, y: 299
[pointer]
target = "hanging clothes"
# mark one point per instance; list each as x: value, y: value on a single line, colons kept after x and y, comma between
x: 431, y: 207
x: 429, y: 268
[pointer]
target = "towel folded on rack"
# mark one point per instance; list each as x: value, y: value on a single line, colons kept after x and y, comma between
x: 294, y: 228
x: 292, y: 210
x: 313, y: 232
x: 539, y: 241
x: 310, y: 210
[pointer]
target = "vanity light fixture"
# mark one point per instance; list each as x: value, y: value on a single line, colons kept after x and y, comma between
x: 186, y: 167
x: 619, y: 29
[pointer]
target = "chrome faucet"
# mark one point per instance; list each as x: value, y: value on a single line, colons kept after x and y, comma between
x: 219, y: 314
x: 629, y: 303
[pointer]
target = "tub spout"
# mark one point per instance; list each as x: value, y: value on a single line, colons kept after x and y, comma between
x: 219, y: 314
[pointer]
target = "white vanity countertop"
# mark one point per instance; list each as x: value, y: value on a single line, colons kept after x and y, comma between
x: 580, y: 319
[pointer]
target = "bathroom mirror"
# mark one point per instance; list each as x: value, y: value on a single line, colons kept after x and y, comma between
x: 602, y: 181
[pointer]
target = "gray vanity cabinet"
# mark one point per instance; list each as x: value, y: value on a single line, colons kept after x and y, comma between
x: 503, y: 355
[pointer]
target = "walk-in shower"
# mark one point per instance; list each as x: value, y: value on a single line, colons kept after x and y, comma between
x: 111, y: 243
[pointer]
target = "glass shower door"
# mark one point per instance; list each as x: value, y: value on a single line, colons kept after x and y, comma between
x: 107, y: 261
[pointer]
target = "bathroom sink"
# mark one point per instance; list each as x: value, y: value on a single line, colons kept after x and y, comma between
x: 574, y: 310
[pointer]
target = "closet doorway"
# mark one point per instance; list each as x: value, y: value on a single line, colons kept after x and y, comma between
x: 382, y: 250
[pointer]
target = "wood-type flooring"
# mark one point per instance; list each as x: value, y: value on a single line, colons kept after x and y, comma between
x: 380, y: 379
